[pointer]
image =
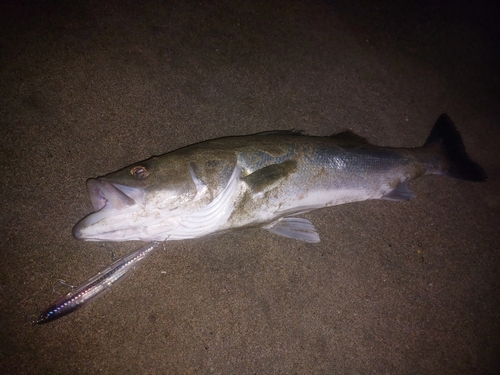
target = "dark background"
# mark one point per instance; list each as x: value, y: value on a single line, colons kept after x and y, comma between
x: 393, y: 288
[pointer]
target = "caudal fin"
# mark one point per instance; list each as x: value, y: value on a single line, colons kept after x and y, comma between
x: 460, y: 165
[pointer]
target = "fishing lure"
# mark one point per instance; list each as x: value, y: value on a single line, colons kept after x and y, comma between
x: 96, y: 285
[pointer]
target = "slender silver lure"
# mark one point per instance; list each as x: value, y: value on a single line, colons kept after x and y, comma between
x: 96, y: 285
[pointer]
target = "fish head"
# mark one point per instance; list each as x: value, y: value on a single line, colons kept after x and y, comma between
x: 140, y: 202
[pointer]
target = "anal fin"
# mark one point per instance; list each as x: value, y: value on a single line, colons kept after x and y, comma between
x: 401, y: 194
x: 294, y: 227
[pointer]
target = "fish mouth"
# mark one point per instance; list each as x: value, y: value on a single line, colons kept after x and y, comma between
x: 108, y: 200
x: 103, y: 193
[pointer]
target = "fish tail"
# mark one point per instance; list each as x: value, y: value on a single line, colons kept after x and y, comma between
x: 457, y: 163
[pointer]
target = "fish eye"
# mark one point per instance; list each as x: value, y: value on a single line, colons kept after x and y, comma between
x: 139, y: 172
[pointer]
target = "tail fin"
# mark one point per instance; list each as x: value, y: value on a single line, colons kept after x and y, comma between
x: 460, y: 165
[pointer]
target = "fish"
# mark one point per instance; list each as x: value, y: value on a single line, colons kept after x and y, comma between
x: 265, y: 180
x: 96, y: 286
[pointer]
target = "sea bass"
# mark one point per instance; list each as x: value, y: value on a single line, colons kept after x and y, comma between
x: 262, y: 180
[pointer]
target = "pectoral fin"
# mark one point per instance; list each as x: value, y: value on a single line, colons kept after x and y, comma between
x: 294, y: 227
x: 269, y: 177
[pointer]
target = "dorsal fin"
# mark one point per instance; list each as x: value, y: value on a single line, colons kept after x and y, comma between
x: 281, y: 132
x: 349, y: 139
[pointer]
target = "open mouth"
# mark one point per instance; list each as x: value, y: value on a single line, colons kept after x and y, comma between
x: 104, y: 194
x: 109, y: 201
